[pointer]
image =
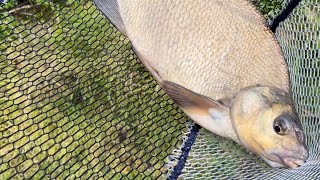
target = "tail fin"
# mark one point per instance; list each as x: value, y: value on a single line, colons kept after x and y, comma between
x: 110, y: 8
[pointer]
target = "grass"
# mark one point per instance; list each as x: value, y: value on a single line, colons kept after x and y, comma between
x: 75, y: 102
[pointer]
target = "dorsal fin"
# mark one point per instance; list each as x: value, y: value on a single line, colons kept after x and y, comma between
x: 110, y: 8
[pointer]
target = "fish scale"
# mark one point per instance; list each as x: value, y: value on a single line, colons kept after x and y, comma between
x: 214, y: 48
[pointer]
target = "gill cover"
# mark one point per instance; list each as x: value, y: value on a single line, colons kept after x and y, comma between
x: 262, y: 119
x: 266, y: 123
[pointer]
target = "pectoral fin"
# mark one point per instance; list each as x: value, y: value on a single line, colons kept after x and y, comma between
x: 208, y: 113
x: 191, y: 101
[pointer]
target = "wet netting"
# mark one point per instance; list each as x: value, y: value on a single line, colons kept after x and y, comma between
x: 76, y: 103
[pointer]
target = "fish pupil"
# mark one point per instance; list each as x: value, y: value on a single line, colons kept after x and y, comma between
x: 277, y: 128
x: 280, y: 126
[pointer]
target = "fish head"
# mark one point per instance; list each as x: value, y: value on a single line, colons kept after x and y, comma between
x: 267, y: 124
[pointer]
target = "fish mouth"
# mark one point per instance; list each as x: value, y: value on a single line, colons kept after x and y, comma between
x: 292, y: 162
x: 296, y: 158
x: 289, y: 159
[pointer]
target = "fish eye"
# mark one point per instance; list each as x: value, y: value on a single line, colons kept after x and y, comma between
x: 280, y: 126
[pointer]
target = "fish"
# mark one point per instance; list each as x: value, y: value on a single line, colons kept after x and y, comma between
x: 220, y: 63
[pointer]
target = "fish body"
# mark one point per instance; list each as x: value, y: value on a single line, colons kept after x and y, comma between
x: 215, y: 42
x: 210, y: 54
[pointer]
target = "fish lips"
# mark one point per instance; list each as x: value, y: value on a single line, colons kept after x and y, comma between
x: 292, y: 159
x: 292, y: 162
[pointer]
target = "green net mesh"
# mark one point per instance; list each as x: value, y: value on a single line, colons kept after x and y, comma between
x: 75, y: 102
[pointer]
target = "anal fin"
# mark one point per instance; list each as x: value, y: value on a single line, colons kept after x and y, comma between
x: 148, y: 65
